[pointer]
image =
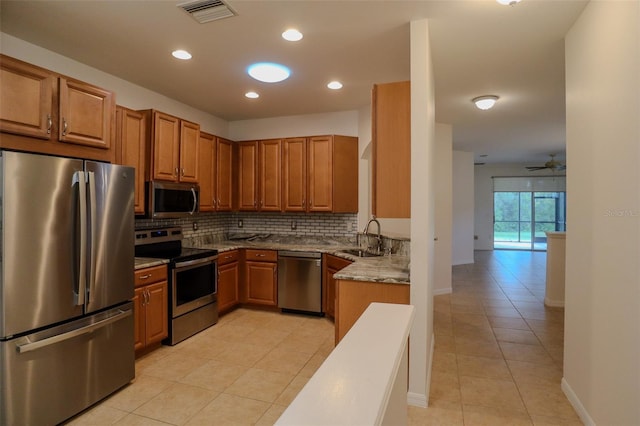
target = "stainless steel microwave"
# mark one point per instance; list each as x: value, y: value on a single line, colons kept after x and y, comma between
x: 172, y: 200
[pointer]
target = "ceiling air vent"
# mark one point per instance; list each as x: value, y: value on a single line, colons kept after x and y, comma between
x: 207, y: 10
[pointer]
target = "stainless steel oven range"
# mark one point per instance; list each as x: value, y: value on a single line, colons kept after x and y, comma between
x: 193, y: 280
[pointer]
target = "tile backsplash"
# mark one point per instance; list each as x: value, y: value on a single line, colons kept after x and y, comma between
x: 219, y: 225
x: 215, y: 227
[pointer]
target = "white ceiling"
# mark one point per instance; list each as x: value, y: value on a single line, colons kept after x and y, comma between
x: 479, y: 47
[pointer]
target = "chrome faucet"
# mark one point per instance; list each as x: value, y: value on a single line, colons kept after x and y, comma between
x: 379, y: 237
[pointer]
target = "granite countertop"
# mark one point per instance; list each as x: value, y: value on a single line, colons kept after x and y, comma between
x: 389, y: 269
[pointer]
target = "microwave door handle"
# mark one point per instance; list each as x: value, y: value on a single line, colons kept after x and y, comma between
x: 80, y: 179
x: 195, y: 201
x: 93, y: 238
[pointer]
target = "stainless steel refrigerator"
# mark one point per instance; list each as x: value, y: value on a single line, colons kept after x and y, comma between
x: 66, y: 278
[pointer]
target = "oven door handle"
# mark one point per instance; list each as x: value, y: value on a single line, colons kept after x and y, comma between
x: 196, y: 262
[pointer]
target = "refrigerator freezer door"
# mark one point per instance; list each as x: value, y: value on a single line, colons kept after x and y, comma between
x: 39, y: 250
x: 54, y: 374
x: 111, y: 217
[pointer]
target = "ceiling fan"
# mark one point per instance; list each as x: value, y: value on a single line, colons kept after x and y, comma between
x: 552, y: 164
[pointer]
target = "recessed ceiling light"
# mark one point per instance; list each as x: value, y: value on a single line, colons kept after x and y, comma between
x: 485, y: 102
x: 252, y: 95
x: 508, y: 2
x: 292, y: 35
x: 268, y: 72
x: 335, y: 85
x: 181, y: 54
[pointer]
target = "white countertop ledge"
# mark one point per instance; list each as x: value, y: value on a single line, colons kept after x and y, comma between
x: 354, y: 384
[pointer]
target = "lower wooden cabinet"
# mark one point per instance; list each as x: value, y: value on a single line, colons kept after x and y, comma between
x: 228, y: 280
x: 151, y: 308
x: 331, y: 265
x: 354, y: 297
x: 261, y: 277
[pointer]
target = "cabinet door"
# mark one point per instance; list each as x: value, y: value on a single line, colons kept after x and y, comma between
x: 130, y: 148
x: 262, y: 283
x: 157, y: 312
x: 86, y: 114
x: 320, y: 174
x: 138, y: 318
x: 189, y: 141
x: 248, y: 176
x: 165, y: 146
x: 270, y: 179
x: 26, y: 99
x: 228, y: 296
x: 331, y: 265
x: 391, y: 143
x: 294, y: 178
x: 224, y: 181
x: 207, y: 172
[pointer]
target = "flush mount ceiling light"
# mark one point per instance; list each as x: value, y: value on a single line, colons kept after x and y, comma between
x: 508, y: 2
x: 268, y: 72
x: 292, y: 35
x: 334, y: 85
x: 485, y: 102
x: 252, y: 95
x: 181, y: 54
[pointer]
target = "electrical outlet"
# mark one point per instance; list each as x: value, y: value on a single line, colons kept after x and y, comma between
x: 475, y: 237
x: 294, y: 225
x: 240, y: 224
x: 195, y: 226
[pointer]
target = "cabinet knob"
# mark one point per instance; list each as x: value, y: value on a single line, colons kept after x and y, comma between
x: 182, y: 171
x: 144, y: 277
x: 49, y: 124
x: 177, y: 171
x: 64, y: 126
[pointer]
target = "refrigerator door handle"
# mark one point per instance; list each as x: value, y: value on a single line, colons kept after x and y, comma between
x: 79, y: 178
x: 32, y: 346
x: 93, y: 238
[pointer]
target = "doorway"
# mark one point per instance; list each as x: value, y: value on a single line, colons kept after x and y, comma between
x: 522, y: 218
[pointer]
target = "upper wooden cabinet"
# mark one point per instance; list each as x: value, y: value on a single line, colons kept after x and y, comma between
x: 259, y: 175
x: 247, y: 176
x: 131, y: 149
x: 320, y: 174
x: 173, y: 145
x: 391, y: 142
x: 207, y: 170
x: 224, y: 174
x: 66, y: 116
x: 86, y: 114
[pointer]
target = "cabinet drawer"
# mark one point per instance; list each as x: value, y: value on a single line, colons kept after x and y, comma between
x: 261, y: 255
x: 228, y: 257
x: 150, y: 275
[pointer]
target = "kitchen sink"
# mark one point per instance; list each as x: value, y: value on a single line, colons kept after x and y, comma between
x: 360, y: 253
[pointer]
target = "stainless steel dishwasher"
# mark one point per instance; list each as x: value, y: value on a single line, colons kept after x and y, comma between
x: 300, y: 281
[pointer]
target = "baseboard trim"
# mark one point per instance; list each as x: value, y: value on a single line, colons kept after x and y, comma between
x: 554, y: 303
x: 576, y: 404
x: 441, y: 291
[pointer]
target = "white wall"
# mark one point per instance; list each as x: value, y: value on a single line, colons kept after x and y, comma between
x: 422, y: 211
x: 443, y: 208
x: 463, y: 208
x: 602, y: 305
x: 336, y: 123
x: 127, y: 94
x: 483, y: 195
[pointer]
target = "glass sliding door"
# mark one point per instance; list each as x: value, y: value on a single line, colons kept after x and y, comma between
x: 521, y: 218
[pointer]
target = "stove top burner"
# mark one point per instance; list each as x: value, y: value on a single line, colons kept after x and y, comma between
x: 166, y: 243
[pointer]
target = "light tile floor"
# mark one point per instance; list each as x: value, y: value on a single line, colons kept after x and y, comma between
x: 497, y: 360
x: 498, y: 349
x: 244, y: 370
